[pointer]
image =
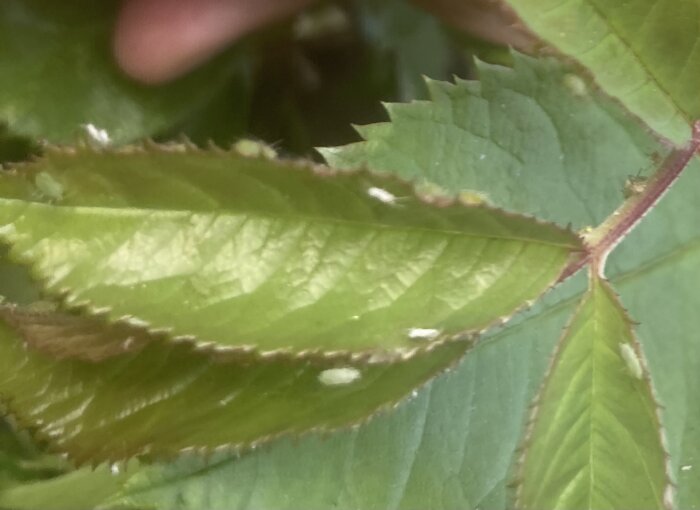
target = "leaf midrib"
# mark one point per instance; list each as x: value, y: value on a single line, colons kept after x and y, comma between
x: 301, y: 218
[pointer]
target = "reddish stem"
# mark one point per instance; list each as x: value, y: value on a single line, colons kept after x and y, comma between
x: 606, y: 236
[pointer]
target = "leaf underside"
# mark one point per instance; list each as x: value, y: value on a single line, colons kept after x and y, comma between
x: 595, y: 441
x: 250, y: 254
x: 133, y: 403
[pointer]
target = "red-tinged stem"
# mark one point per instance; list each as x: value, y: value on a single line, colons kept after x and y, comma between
x: 601, y: 240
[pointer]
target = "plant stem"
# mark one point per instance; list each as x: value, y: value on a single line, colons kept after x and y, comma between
x: 601, y: 240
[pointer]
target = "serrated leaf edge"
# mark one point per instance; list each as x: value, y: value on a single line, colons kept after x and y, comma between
x: 70, y: 301
x: 52, y: 446
x: 516, y: 482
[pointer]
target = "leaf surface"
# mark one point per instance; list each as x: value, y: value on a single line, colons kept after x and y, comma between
x: 442, y: 450
x: 643, y: 52
x: 595, y: 440
x: 167, y: 398
x: 83, y: 489
x: 252, y: 254
x: 428, y: 453
x: 518, y: 138
x: 657, y: 272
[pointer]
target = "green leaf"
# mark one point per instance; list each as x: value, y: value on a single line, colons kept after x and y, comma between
x: 642, y: 52
x: 83, y: 489
x: 455, y: 444
x: 21, y: 460
x: 657, y: 272
x: 595, y: 440
x: 440, y: 450
x: 252, y: 254
x: 519, y: 138
x: 58, y: 74
x: 169, y: 398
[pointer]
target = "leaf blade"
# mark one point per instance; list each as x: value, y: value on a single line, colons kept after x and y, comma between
x: 96, y: 412
x: 255, y: 254
x: 596, y: 440
x: 641, y: 52
x: 510, y: 136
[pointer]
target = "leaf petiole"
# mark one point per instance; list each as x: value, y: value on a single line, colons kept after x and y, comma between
x: 600, y: 241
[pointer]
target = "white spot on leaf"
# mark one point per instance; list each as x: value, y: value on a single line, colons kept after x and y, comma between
x: 254, y: 149
x: 632, y: 361
x: 423, y: 333
x: 575, y: 84
x: 686, y: 467
x: 99, y: 136
x: 339, y: 376
x: 382, y: 195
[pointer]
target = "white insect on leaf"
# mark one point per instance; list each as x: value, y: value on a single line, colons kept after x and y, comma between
x: 382, y: 195
x: 339, y: 376
x: 423, y: 333
x: 632, y: 361
x: 100, y: 137
x: 48, y: 186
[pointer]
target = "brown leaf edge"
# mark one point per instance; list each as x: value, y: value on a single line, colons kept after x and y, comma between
x: 515, y: 483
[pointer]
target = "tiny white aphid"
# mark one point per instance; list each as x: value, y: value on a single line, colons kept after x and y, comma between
x: 48, y: 186
x: 115, y: 469
x: 339, y: 376
x: 423, y: 333
x: 687, y: 467
x: 634, y: 364
x: 97, y: 135
x: 575, y: 84
x: 382, y: 195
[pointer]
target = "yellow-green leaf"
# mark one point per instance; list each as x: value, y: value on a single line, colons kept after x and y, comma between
x: 253, y: 254
x: 595, y: 441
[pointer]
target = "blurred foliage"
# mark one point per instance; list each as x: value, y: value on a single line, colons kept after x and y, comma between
x: 304, y: 84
